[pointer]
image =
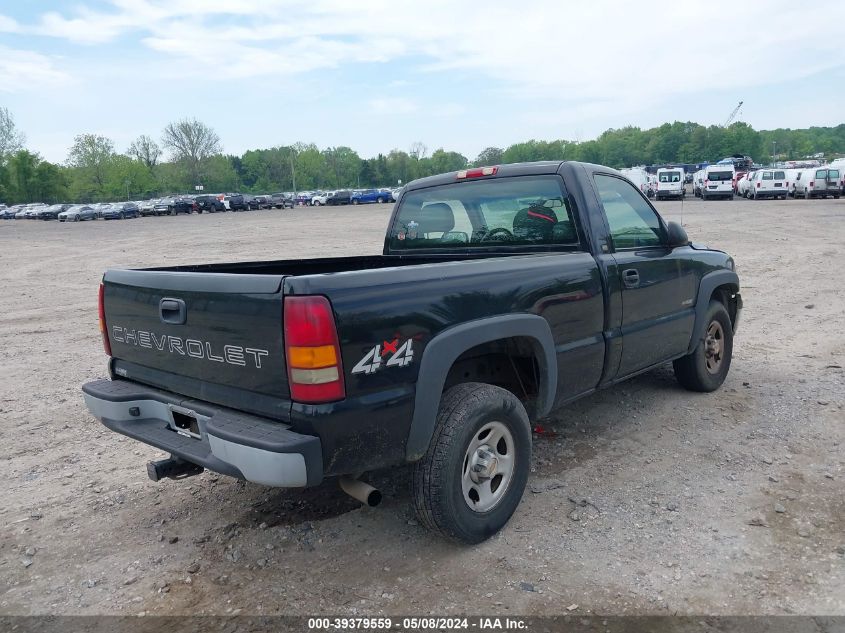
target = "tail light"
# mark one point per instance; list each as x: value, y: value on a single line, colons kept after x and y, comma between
x: 706, y: 181
x: 812, y: 183
x: 101, y: 309
x: 313, y: 357
x: 758, y: 184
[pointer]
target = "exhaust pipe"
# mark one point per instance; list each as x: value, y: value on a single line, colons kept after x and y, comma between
x: 172, y: 468
x: 357, y: 489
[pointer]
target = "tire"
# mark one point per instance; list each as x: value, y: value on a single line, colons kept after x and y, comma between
x: 442, y: 484
x: 76, y: 218
x: 355, y: 202
x: 122, y: 215
x: 708, y: 365
x: 380, y: 200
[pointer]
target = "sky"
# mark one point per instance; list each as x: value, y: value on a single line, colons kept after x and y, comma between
x: 376, y: 75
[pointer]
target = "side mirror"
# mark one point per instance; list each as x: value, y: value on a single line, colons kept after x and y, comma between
x: 677, y: 235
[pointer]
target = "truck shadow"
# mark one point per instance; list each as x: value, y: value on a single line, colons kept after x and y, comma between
x: 575, y: 435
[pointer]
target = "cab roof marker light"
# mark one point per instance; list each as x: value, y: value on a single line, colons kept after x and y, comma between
x: 477, y: 172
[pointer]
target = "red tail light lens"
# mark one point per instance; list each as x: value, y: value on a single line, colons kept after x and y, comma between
x: 101, y: 309
x: 478, y: 172
x: 312, y: 351
x: 758, y: 184
x: 812, y: 182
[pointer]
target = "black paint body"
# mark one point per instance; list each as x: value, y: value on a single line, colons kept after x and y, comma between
x: 600, y: 330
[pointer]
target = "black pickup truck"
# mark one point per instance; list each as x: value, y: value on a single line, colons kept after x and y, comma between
x: 502, y: 294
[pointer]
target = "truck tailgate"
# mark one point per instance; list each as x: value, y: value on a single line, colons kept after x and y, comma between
x: 198, y: 333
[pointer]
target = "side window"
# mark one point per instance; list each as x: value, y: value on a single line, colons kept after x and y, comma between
x: 632, y: 221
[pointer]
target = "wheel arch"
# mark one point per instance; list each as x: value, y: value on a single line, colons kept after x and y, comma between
x: 444, y: 349
x: 722, y: 284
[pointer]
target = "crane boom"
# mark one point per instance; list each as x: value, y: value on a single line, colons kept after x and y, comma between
x: 733, y: 114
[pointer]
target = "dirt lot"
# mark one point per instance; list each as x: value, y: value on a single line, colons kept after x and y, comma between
x: 643, y: 499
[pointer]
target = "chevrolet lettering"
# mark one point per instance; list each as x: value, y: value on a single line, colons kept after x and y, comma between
x: 231, y: 354
x: 503, y: 293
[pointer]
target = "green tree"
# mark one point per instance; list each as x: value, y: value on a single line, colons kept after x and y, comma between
x: 192, y: 143
x: 90, y: 157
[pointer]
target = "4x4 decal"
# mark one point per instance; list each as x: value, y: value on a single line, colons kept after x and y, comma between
x: 400, y: 356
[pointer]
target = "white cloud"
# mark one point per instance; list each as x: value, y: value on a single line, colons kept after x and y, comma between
x: 22, y: 71
x: 393, y: 105
x: 534, y: 68
x: 8, y: 25
x: 581, y: 52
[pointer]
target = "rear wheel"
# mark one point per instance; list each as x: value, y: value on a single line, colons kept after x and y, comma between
x: 472, y: 477
x: 706, y: 368
x: 380, y: 200
x: 354, y: 202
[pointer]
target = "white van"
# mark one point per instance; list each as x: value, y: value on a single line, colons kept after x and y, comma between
x: 718, y: 182
x: 639, y: 177
x: 819, y: 182
x: 697, y: 183
x: 839, y: 165
x: 670, y: 183
x: 768, y: 183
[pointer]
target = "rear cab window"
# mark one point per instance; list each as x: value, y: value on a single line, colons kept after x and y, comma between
x: 521, y: 213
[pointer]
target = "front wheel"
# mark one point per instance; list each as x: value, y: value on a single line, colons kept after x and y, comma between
x: 707, y: 367
x: 354, y: 202
x: 471, y: 479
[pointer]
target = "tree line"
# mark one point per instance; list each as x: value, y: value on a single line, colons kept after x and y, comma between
x: 190, y: 153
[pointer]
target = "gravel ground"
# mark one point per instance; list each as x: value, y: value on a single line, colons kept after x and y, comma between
x: 643, y: 498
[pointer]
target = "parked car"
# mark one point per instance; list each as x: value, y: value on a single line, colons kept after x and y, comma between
x: 264, y: 202
x: 78, y: 213
x: 32, y: 210
x: 303, y: 198
x: 818, y: 183
x: 839, y: 165
x: 718, y: 182
x: 173, y: 206
x: 369, y: 196
x: 339, y: 197
x: 743, y: 185
x: 52, y: 212
x: 767, y: 183
x: 121, y: 211
x: 670, y: 183
x: 697, y: 183
x: 209, y: 204
x: 282, y: 200
x: 235, y: 202
x: 435, y: 355
x: 320, y: 198
x: 148, y: 207
x: 9, y: 213
x: 251, y: 202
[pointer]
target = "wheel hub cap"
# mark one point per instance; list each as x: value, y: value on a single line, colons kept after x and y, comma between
x: 488, y: 467
x: 714, y: 347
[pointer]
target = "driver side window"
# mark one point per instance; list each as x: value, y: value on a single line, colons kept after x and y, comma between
x: 633, y: 223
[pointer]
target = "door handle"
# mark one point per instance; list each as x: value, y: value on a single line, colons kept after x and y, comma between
x: 631, y: 278
x: 172, y: 311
